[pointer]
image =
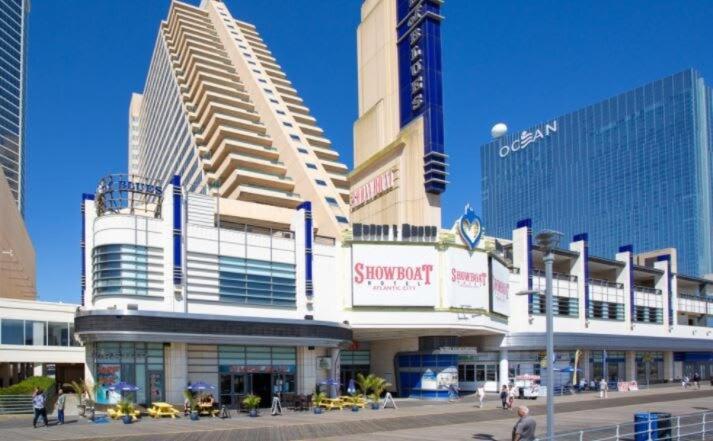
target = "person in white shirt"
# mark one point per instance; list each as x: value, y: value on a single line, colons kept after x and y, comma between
x: 603, y: 388
x: 481, y: 394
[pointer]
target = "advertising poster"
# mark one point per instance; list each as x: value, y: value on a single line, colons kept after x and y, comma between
x: 108, y: 374
x: 500, y: 289
x: 394, y: 275
x: 467, y: 278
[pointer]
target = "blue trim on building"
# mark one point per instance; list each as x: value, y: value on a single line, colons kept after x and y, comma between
x: 584, y: 237
x: 527, y: 223
x: 693, y: 356
x: 83, y: 245
x: 669, y: 293
x: 626, y: 248
x: 420, y: 82
x: 177, y: 231
x: 309, y: 284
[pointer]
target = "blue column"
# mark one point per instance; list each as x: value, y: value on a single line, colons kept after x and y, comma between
x: 307, y: 207
x: 177, y: 230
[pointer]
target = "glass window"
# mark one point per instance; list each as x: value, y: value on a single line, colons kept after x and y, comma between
x: 331, y: 201
x: 286, y: 124
x: 320, y: 182
x: 312, y: 166
x: 342, y: 220
x: 12, y: 332
x: 294, y: 137
x: 35, y: 333
x: 274, y: 101
x: 301, y: 150
x: 57, y: 334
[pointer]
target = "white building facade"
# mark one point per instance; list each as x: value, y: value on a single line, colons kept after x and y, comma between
x: 173, y: 297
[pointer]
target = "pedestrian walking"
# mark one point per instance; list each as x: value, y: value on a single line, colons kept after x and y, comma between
x: 481, y: 394
x: 61, y: 398
x: 684, y: 382
x: 511, y: 396
x: 697, y: 380
x: 38, y: 404
x: 504, y: 396
x: 603, y: 388
x: 525, y: 426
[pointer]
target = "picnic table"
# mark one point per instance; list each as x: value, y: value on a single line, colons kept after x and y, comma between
x: 116, y: 413
x: 160, y: 409
x: 333, y: 403
x: 207, y: 409
x: 356, y: 400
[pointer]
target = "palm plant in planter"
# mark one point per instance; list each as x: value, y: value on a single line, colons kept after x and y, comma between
x: 126, y: 407
x: 192, y: 404
x: 378, y: 386
x: 318, y: 399
x: 252, y: 402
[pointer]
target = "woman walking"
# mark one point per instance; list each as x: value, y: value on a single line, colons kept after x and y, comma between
x: 504, y: 396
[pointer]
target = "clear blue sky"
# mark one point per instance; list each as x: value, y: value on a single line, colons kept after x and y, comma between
x: 520, y: 62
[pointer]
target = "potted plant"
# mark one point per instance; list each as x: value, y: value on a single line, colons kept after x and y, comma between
x: 192, y: 405
x: 318, y: 399
x: 378, y: 386
x: 252, y: 402
x: 126, y: 407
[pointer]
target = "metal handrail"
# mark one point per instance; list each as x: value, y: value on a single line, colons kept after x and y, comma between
x: 605, y: 283
x: 647, y: 290
x: 702, y: 424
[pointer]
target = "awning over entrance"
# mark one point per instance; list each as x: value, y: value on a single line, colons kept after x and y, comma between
x: 153, y: 326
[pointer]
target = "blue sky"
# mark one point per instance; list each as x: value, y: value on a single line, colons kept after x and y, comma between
x: 520, y: 62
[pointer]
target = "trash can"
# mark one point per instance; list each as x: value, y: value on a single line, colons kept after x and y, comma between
x: 641, y: 426
x: 661, y: 426
x: 652, y: 425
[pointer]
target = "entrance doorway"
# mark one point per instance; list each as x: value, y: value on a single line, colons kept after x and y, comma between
x: 262, y: 387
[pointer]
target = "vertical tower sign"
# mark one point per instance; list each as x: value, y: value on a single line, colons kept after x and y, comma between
x: 420, y: 90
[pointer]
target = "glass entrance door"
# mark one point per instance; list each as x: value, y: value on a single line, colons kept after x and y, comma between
x: 233, y: 388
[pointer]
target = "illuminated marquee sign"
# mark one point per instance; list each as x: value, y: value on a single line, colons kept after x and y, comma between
x: 128, y: 194
x: 526, y: 138
x: 420, y: 85
x: 375, y: 187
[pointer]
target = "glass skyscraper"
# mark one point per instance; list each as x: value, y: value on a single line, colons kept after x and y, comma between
x: 13, y: 61
x: 633, y: 169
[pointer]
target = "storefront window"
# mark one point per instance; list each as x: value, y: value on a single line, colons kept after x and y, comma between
x: 12, y: 332
x: 35, y: 333
x: 140, y: 364
x: 57, y: 334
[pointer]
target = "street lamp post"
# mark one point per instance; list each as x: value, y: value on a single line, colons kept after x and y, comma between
x: 548, y: 241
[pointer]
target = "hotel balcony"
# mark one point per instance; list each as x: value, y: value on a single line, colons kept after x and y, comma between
x: 236, y: 160
x: 606, y: 300
x: 220, y: 120
x: 219, y: 152
x: 334, y: 167
x: 220, y: 108
x: 564, y: 290
x: 224, y: 132
x: 325, y: 153
x: 211, y: 97
x: 266, y: 196
x: 312, y: 130
x: 275, y: 73
x: 255, y: 178
x: 648, y: 305
x: 299, y: 109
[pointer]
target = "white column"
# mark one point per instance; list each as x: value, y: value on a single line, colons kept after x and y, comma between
x: 306, y: 370
x: 624, y: 277
x: 630, y: 365
x: 334, y: 372
x: 37, y: 370
x: 586, y: 368
x: 668, y: 366
x: 503, y: 374
x: 176, y: 361
x: 578, y: 269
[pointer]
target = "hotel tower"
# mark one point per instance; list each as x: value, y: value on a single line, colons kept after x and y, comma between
x: 218, y: 111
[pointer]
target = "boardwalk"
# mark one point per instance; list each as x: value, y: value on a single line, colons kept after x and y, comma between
x: 413, y: 420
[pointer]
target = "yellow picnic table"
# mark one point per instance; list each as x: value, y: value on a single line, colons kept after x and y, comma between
x: 333, y: 403
x: 160, y: 409
x: 356, y: 400
x: 116, y: 413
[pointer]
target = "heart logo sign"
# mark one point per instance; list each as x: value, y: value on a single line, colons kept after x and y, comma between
x: 470, y: 228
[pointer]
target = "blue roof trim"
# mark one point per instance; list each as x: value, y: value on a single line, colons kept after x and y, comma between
x: 580, y: 237
x: 524, y: 223
x: 626, y: 248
